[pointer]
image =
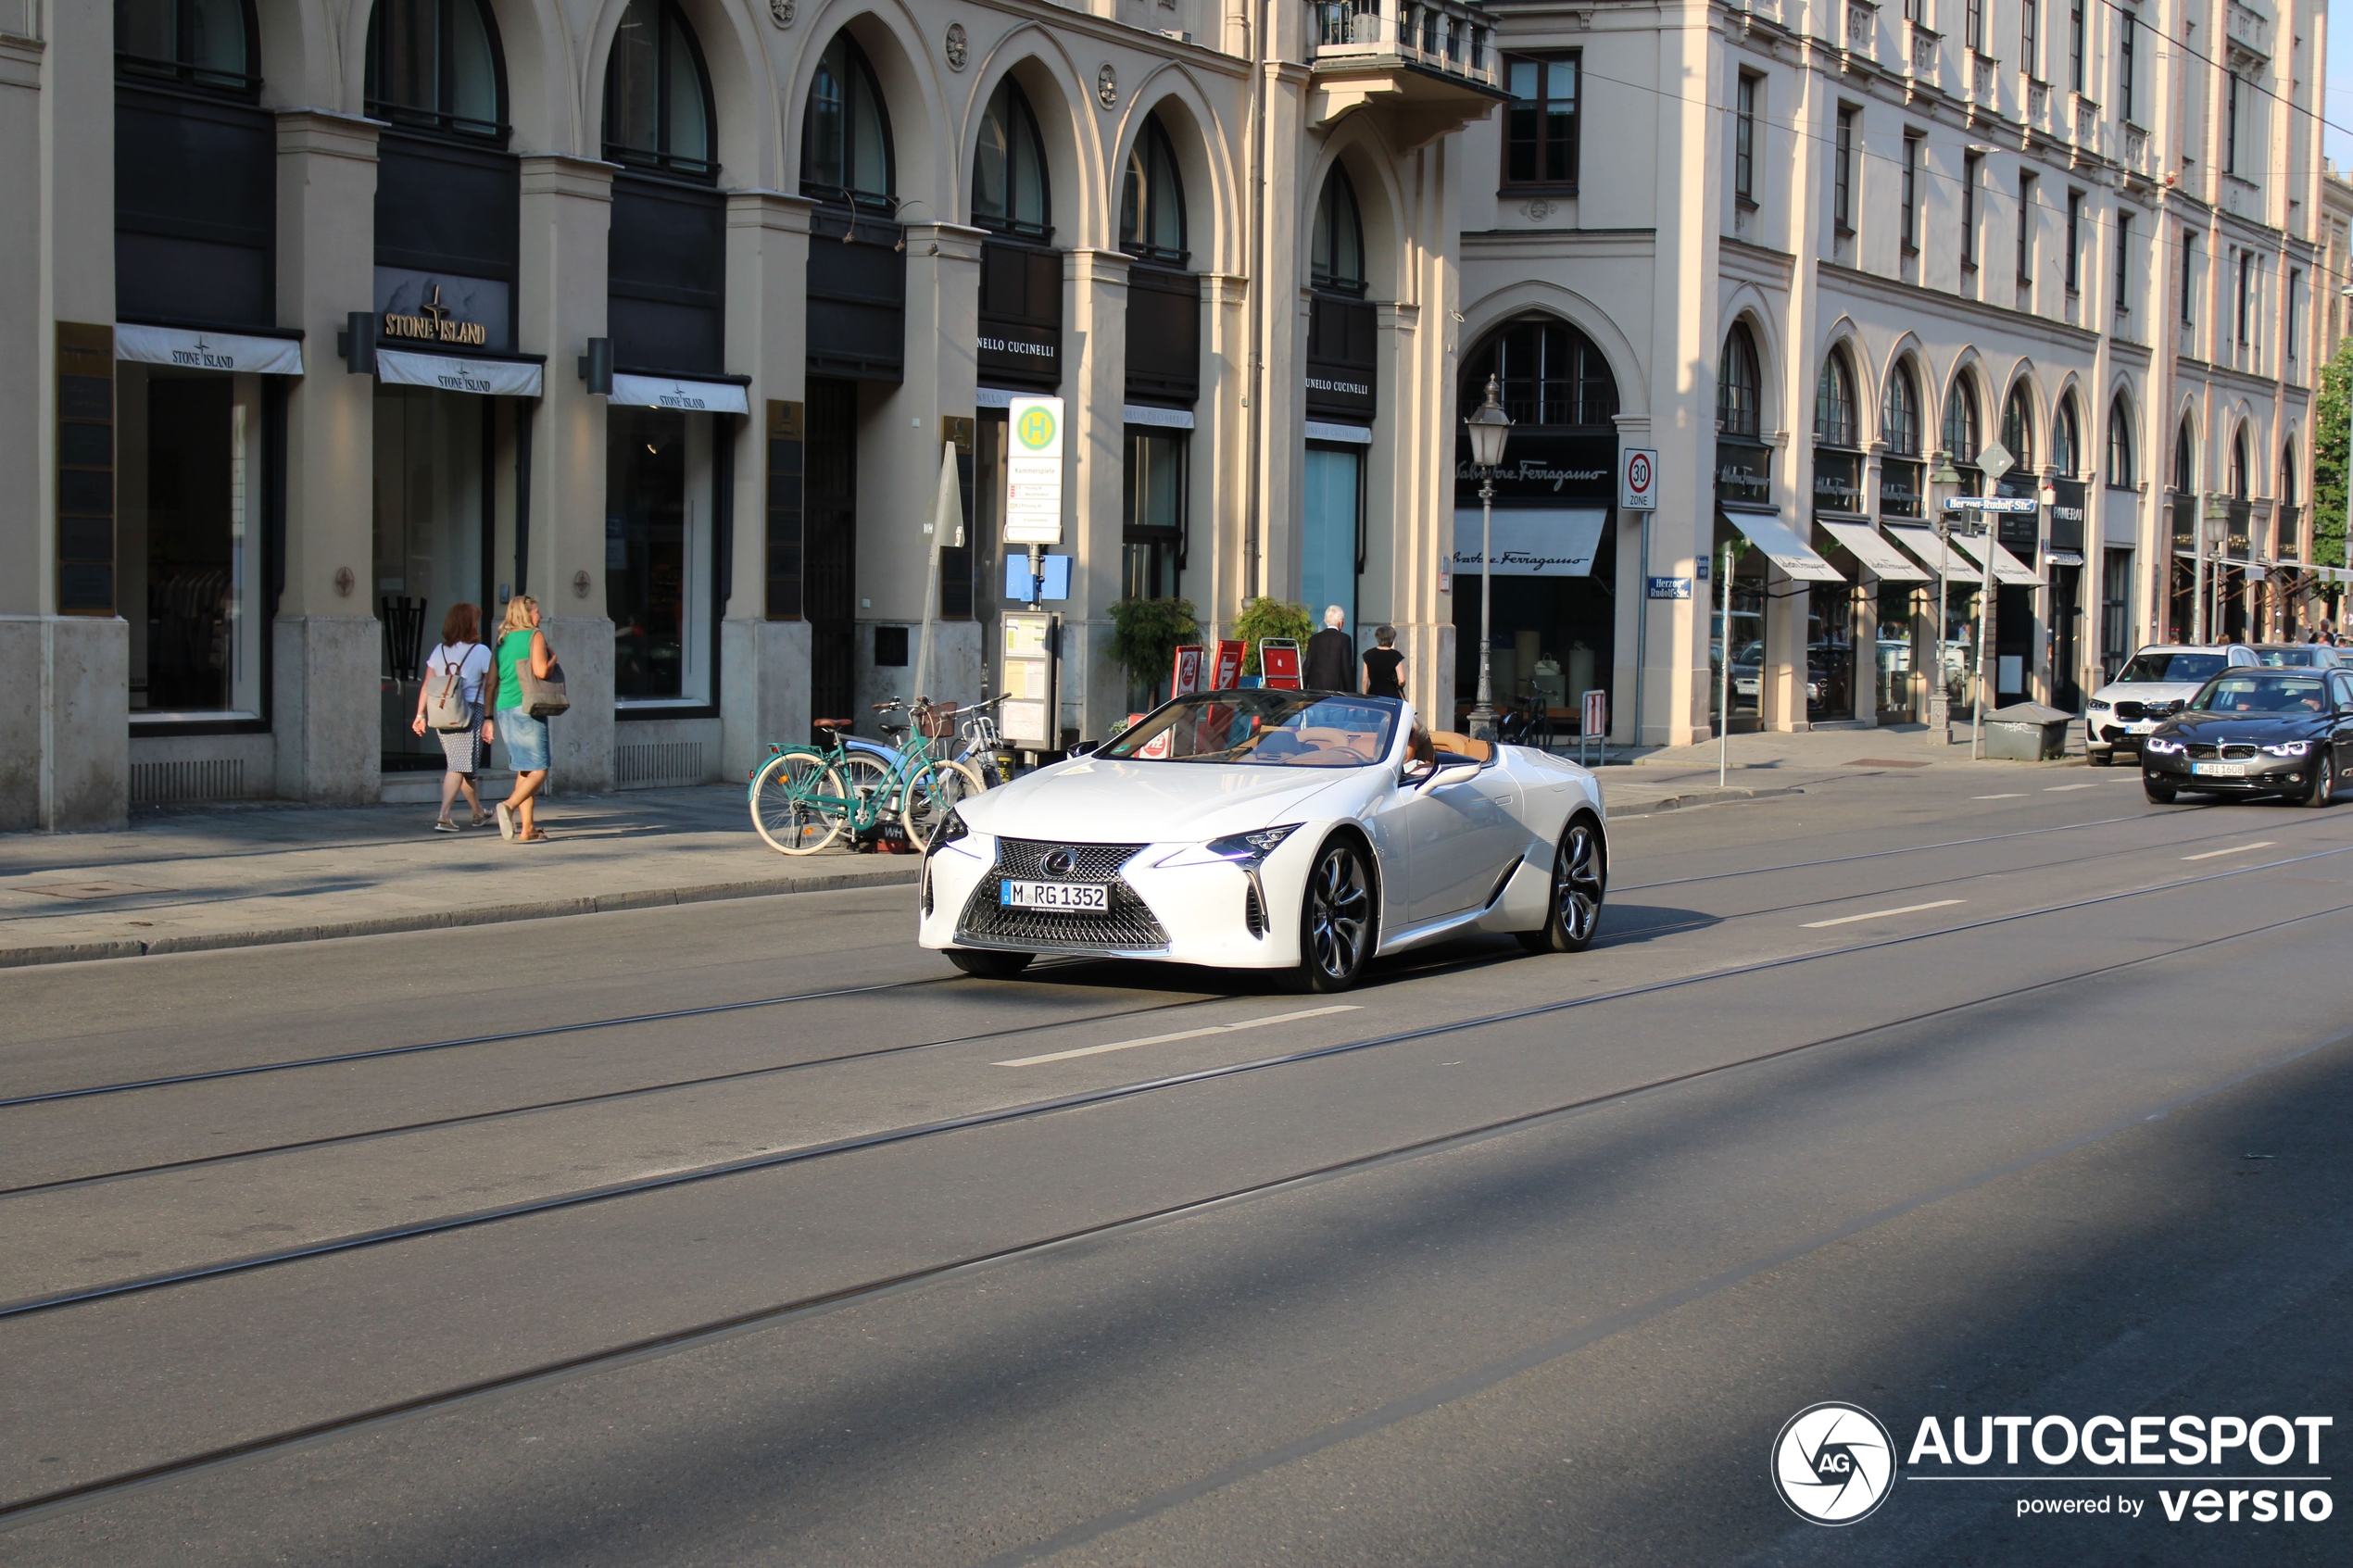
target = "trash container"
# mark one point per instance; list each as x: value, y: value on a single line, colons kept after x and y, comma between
x: 2026, y: 731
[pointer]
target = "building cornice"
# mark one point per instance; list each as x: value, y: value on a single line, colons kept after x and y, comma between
x: 1898, y: 293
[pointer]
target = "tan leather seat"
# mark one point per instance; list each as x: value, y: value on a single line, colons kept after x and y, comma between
x: 1463, y: 745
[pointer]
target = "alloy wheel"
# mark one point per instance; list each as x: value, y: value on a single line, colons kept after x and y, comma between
x: 1339, y: 913
x: 1577, y: 883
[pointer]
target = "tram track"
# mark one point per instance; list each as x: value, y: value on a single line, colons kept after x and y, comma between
x: 885, y: 1137
x: 1046, y: 967
x: 616, y: 1354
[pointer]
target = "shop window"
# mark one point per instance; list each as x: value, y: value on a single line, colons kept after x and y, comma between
x: 2067, y: 440
x: 2239, y: 466
x: 658, y: 112
x: 1337, y: 253
x: 845, y: 143
x: 434, y: 65
x: 1151, y: 200
x: 1738, y: 384
x: 433, y: 476
x: 209, y: 44
x: 2185, y: 460
x: 2120, y: 466
x: 1153, y: 514
x: 1963, y: 434
x: 1540, y: 127
x: 1332, y: 530
x: 2116, y: 610
x: 1834, y: 423
x: 1551, y: 373
x: 191, y: 453
x: 1011, y: 193
x: 657, y: 553
x: 2017, y: 428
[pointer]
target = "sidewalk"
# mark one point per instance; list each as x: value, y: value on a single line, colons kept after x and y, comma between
x: 203, y: 878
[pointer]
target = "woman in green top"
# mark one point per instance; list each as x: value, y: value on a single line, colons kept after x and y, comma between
x: 526, y: 737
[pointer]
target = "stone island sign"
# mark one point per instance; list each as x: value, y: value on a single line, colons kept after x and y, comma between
x: 432, y: 323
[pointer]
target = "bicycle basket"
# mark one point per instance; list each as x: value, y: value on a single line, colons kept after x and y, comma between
x: 936, y: 721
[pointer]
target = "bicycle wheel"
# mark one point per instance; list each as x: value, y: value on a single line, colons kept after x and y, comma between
x: 869, y: 791
x: 932, y: 794
x: 790, y: 798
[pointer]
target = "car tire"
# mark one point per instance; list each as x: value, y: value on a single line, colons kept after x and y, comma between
x: 2323, y: 793
x: 983, y: 964
x: 1339, y: 918
x: 2159, y: 793
x: 1573, y: 903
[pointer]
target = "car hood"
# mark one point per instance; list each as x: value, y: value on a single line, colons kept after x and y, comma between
x: 2147, y: 691
x: 1100, y: 800
x: 2255, y: 727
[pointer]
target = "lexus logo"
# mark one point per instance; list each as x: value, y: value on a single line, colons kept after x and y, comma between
x: 1060, y: 863
x: 1833, y: 1463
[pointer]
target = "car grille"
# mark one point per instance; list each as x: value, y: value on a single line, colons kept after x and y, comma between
x: 2128, y: 712
x: 2235, y: 751
x: 1128, y: 925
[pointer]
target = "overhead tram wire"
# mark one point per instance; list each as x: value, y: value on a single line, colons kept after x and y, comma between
x: 615, y: 1356
x: 1453, y: 965
x: 673, y: 1179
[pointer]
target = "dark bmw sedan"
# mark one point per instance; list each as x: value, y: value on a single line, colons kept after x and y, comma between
x: 2256, y: 732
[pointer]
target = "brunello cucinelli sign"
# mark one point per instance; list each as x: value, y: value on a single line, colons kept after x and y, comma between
x: 1542, y: 465
x: 1743, y: 472
x: 1012, y: 345
x: 1838, y: 481
x: 440, y: 310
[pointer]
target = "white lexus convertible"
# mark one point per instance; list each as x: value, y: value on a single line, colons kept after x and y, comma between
x: 1305, y: 831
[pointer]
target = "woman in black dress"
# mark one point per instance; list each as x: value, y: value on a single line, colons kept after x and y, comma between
x: 1384, y: 666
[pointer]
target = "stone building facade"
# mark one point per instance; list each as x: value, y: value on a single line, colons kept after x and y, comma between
x: 334, y: 313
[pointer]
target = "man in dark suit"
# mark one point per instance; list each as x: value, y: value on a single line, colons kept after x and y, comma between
x: 1330, y: 662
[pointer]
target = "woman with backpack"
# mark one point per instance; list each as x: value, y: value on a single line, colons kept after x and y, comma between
x: 450, y: 702
x: 522, y: 650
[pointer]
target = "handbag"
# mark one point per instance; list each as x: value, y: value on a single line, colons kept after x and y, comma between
x: 445, y: 704
x: 542, y: 698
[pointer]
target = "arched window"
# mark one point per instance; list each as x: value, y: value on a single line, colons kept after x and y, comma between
x: 845, y: 138
x: 2184, y: 458
x: 2238, y: 465
x: 2121, y: 467
x: 1339, y: 254
x: 1834, y: 402
x: 1551, y: 374
x: 1901, y: 426
x: 2287, y: 474
x: 657, y: 110
x: 208, y: 43
x: 1151, y: 203
x: 2067, y: 440
x: 435, y: 64
x: 1008, y: 168
x: 2017, y: 428
x: 1739, y: 384
x: 1964, y: 435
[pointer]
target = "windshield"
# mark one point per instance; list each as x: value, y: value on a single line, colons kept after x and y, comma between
x: 2178, y: 668
x: 2248, y: 693
x: 1264, y: 729
x: 2288, y: 658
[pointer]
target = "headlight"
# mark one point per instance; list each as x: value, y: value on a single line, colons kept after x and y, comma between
x: 2162, y: 747
x: 2288, y: 748
x: 1248, y: 850
x: 2096, y: 706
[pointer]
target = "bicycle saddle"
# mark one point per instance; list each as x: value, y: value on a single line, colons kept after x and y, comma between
x: 831, y: 723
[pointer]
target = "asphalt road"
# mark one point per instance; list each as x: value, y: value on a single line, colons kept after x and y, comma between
x: 747, y: 1233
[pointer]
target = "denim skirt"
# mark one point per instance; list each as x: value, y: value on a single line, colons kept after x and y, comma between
x: 527, y: 739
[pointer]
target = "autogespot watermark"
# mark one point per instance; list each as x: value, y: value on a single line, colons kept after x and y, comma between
x: 1834, y: 1463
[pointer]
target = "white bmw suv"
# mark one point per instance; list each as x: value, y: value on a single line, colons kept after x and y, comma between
x: 2147, y: 691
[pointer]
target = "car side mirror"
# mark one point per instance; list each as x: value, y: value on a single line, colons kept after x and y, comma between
x: 1453, y: 773
x: 1083, y: 747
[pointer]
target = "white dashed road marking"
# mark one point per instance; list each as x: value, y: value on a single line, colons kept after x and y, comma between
x: 1880, y: 914
x: 1180, y: 1035
x: 2234, y: 849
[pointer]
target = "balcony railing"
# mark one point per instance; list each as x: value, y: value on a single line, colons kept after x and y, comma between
x: 2136, y: 148
x: 2249, y: 29
x: 1924, y: 45
x: 1984, y: 71
x: 1862, y: 26
x: 1441, y: 36
x: 2038, y: 100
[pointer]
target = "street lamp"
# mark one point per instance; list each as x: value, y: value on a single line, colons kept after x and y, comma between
x: 2213, y: 537
x: 1490, y: 427
x: 1940, y: 696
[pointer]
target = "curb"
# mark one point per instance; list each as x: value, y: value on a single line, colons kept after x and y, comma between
x: 1700, y: 798
x: 492, y: 914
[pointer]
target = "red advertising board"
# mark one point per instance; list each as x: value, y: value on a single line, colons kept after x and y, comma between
x: 1229, y: 667
x: 1279, y: 663
x: 1187, y: 676
x: 1594, y: 720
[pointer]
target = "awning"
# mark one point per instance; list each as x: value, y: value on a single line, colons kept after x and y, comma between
x: 1940, y: 556
x: 1531, y: 542
x: 446, y: 372
x: 1783, y: 549
x: 2064, y: 558
x: 1887, y: 563
x: 2007, y: 567
x: 672, y: 392
x: 207, y: 351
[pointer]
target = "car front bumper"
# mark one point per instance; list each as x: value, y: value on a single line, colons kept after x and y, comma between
x: 2264, y: 775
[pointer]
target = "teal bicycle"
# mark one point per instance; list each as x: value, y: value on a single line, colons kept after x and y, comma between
x: 803, y: 798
